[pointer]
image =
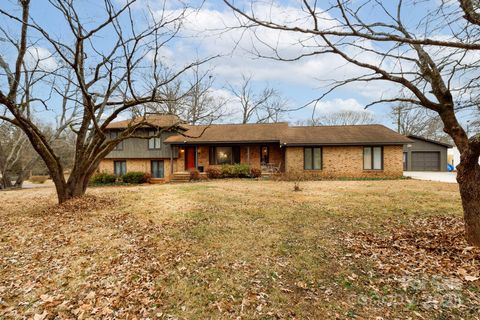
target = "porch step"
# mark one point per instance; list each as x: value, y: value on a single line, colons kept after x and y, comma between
x: 180, y: 177
x: 157, y: 180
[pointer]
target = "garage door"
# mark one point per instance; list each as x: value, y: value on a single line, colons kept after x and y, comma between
x: 425, y: 161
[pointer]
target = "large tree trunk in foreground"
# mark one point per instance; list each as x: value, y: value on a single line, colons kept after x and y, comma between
x: 468, y: 177
x: 77, y: 183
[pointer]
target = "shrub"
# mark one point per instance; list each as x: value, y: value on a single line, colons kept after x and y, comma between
x: 194, y: 175
x: 135, y: 177
x: 213, y: 173
x: 255, y: 172
x: 103, y: 178
x: 228, y: 171
x: 147, y: 176
x: 242, y: 170
x: 235, y: 171
x: 38, y: 179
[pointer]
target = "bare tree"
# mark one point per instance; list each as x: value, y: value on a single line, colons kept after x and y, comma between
x: 415, y: 120
x: 191, y: 98
x: 13, y: 146
x: 100, y: 71
x: 265, y: 105
x: 201, y: 104
x: 343, y: 118
x: 431, y: 58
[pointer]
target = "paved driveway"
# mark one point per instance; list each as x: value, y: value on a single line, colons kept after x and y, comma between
x: 450, y: 177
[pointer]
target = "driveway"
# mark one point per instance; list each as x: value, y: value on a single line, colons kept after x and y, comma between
x: 450, y: 177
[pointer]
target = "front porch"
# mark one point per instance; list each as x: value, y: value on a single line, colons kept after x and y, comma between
x: 269, y: 157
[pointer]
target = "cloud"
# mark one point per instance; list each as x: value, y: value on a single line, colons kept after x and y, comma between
x: 39, y: 58
x: 339, y: 105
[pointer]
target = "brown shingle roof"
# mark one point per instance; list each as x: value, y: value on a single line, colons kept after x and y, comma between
x: 343, y: 135
x: 232, y: 133
x: 282, y: 133
x: 163, y: 121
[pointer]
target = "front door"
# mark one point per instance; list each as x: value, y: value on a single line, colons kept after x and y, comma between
x: 264, y: 155
x: 189, y: 158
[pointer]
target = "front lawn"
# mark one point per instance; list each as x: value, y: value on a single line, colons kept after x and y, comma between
x: 239, y: 249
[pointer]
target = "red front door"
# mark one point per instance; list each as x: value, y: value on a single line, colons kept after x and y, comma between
x: 189, y: 158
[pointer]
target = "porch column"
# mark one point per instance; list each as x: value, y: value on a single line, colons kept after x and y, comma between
x: 248, y: 155
x: 196, y: 157
x: 171, y: 159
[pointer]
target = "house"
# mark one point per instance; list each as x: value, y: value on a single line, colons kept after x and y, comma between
x: 333, y: 151
x: 454, y: 157
x: 425, y: 155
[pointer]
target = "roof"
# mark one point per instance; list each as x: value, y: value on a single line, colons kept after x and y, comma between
x: 411, y: 136
x: 231, y: 133
x: 284, y: 134
x: 344, y: 135
x: 160, y: 120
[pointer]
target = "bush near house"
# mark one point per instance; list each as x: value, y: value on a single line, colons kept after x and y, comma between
x: 38, y: 179
x: 213, y: 173
x: 103, y: 178
x: 255, y: 172
x: 135, y: 177
x: 194, y: 175
x: 235, y: 171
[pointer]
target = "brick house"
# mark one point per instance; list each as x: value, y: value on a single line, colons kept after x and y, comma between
x: 333, y: 151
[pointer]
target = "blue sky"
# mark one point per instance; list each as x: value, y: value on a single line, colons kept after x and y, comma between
x: 204, y: 35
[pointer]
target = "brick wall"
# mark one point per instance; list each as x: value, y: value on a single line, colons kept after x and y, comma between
x: 346, y: 162
x: 142, y: 165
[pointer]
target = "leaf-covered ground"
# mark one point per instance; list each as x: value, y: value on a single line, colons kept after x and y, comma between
x: 239, y: 249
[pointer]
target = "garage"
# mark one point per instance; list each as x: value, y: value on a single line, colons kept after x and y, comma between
x: 425, y: 155
x: 425, y: 161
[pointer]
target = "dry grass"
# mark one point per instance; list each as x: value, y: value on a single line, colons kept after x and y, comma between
x: 223, y: 249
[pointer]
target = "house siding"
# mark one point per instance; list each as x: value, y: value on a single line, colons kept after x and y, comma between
x: 345, y: 161
x: 137, y: 148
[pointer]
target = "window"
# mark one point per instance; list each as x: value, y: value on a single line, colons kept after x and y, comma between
x: 224, y: 155
x: 120, y: 167
x: 373, y: 158
x: 157, y: 169
x: 114, y: 135
x: 312, y: 158
x: 154, y: 143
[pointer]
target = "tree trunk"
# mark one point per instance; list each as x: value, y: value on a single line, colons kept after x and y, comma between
x: 72, y: 189
x: 468, y: 177
x: 6, y: 181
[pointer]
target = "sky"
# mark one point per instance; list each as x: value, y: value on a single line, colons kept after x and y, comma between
x: 210, y: 30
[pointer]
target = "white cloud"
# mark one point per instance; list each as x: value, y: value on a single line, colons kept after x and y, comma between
x: 339, y: 105
x: 39, y: 58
